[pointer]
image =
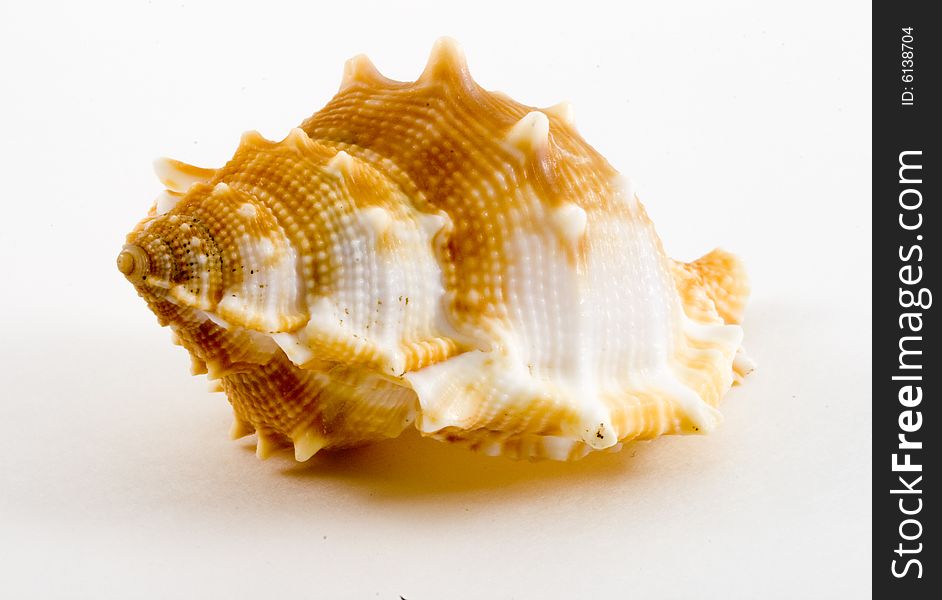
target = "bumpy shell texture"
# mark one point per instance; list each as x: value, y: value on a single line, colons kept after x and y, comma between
x: 434, y: 254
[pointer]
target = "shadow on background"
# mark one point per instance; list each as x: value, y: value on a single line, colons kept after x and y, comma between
x: 411, y: 466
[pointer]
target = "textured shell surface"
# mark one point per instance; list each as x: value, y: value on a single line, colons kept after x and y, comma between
x: 435, y: 255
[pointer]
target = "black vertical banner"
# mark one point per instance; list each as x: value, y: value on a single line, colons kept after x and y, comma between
x: 907, y: 370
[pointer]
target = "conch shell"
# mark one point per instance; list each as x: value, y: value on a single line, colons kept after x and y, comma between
x: 435, y: 254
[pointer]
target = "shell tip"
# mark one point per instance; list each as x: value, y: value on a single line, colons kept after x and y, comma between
x: 134, y: 263
x: 125, y: 262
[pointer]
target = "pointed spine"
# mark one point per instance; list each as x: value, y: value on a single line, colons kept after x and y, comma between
x: 240, y: 428
x: 570, y: 222
x: 253, y: 139
x: 530, y: 134
x: 562, y: 111
x: 197, y: 365
x: 221, y: 189
x: 376, y: 218
x: 360, y: 71
x: 166, y: 201
x: 297, y: 139
x: 446, y: 63
x: 178, y: 176
x: 341, y: 165
x: 307, y: 443
x: 265, y: 446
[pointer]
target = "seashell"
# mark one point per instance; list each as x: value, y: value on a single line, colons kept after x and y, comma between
x: 437, y: 255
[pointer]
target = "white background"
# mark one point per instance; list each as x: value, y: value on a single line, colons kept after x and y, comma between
x: 741, y: 126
